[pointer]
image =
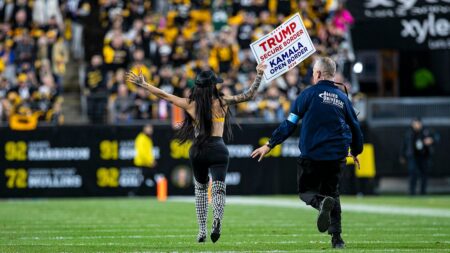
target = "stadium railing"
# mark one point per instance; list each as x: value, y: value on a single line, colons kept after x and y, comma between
x: 399, y: 111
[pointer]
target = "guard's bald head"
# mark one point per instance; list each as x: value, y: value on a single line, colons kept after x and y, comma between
x: 324, y: 69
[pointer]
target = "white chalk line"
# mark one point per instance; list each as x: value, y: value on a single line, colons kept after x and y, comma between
x: 360, y: 208
x: 400, y: 226
x: 353, y: 242
x: 405, y: 227
x: 319, y: 250
x: 178, y: 235
x: 302, y: 250
x: 306, y: 250
x: 91, y: 225
x: 425, y: 232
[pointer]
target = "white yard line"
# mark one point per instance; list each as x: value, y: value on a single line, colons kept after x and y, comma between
x: 190, y: 235
x: 68, y: 238
x: 296, y: 250
x: 361, y: 208
x: 303, y: 250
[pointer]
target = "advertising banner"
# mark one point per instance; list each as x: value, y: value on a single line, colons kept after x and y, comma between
x: 98, y: 161
x: 75, y: 161
x: 283, y: 48
x: 401, y: 24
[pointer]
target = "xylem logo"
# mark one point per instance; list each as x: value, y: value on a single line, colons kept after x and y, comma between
x: 403, y: 4
x: 429, y: 27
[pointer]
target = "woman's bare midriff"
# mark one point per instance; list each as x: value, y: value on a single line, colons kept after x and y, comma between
x: 218, y: 112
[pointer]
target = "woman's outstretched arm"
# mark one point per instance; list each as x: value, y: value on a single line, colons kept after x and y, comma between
x: 251, y: 92
x: 140, y: 81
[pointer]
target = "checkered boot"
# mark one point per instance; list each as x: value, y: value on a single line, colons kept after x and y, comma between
x: 218, y: 201
x: 201, y: 208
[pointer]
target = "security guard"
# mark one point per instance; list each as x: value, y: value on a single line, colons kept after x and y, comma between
x: 145, y: 158
x: 329, y: 128
x: 144, y: 148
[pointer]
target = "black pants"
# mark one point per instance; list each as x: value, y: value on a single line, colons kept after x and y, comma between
x: 317, y: 180
x: 418, y: 168
x: 146, y: 188
x: 210, y: 156
x: 97, y: 108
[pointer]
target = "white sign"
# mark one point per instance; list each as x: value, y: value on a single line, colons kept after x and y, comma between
x: 283, y: 48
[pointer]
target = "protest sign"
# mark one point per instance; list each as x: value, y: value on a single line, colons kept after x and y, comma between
x: 283, y: 48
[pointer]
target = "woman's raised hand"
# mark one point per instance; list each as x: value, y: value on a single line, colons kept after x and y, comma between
x: 139, y: 80
x: 260, y: 68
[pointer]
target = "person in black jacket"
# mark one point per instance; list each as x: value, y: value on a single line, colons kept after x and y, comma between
x: 417, y: 149
x: 95, y: 90
x: 329, y: 128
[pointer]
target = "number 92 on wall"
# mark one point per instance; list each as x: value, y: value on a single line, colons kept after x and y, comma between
x: 119, y: 177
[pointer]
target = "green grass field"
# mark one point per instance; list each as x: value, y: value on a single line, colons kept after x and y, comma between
x: 145, y: 225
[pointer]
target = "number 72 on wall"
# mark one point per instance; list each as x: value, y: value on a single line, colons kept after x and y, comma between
x: 16, y: 178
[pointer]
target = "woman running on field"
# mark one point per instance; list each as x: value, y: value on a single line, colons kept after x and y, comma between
x: 207, y: 115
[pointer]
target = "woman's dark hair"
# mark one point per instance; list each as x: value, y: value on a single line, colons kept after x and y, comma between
x: 203, y: 93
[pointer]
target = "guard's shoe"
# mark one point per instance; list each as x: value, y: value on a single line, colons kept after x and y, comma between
x: 337, y: 242
x: 215, y: 234
x: 323, y: 219
x: 201, y: 239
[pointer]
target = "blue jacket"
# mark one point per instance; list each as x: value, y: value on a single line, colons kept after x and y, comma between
x: 329, y: 125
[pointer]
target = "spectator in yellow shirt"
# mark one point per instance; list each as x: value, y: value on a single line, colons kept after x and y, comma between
x: 224, y: 54
x: 144, y: 148
x: 145, y: 159
x: 116, y: 54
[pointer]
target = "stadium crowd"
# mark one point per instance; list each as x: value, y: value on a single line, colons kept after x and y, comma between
x: 169, y: 41
x: 33, y: 57
x: 171, y: 48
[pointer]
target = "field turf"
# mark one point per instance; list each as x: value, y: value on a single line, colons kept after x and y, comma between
x: 145, y: 225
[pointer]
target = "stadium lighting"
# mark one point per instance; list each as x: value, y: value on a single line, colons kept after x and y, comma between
x: 358, y: 67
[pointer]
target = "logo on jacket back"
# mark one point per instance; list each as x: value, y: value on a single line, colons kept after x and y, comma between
x: 332, y: 99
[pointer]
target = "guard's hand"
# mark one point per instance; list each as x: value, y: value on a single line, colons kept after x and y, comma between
x: 402, y: 160
x: 355, y: 159
x: 428, y: 141
x: 260, y: 68
x: 260, y: 152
